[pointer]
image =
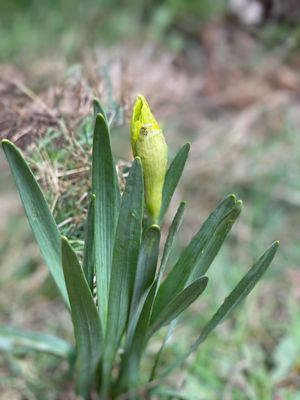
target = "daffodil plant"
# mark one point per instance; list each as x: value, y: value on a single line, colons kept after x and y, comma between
x: 119, y: 295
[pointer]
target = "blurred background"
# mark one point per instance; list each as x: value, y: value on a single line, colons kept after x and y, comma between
x: 223, y: 75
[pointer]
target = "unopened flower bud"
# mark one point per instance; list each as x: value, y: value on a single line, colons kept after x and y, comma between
x: 149, y: 144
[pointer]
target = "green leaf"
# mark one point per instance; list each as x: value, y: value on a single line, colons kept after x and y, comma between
x: 220, y: 220
x: 215, y: 242
x: 242, y: 289
x: 39, y: 216
x: 167, y: 393
x: 88, y: 263
x: 146, y: 266
x: 98, y: 109
x: 135, y: 343
x: 86, y: 321
x: 107, y: 201
x: 18, y: 341
x: 145, y: 274
x: 176, y: 306
x: 129, y: 376
x: 125, y: 256
x: 175, y: 225
x: 172, y: 177
x: 168, y: 334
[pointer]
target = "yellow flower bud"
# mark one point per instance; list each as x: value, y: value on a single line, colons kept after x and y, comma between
x: 148, y: 143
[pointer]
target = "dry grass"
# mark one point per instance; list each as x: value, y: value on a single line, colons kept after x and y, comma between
x: 238, y: 105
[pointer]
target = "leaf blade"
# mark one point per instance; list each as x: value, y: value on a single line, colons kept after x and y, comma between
x: 17, y: 340
x: 98, y: 109
x: 175, y: 225
x: 237, y: 295
x: 88, y: 262
x: 125, y: 256
x: 215, y: 242
x: 107, y: 201
x: 129, y: 376
x: 189, y: 260
x: 146, y: 265
x: 177, y: 305
x: 38, y: 214
x: 172, y: 177
x: 85, y: 317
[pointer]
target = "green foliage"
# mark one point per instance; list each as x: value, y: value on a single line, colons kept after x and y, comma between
x: 39, y: 216
x: 18, y: 341
x: 30, y: 28
x: 134, y: 298
x: 104, y: 186
x: 87, y: 326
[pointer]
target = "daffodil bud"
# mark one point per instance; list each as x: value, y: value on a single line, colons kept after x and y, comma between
x: 148, y: 143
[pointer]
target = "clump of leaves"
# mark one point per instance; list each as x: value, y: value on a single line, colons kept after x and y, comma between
x: 133, y: 296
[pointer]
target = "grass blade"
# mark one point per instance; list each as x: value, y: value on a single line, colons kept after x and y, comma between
x: 172, y: 177
x: 175, y: 307
x: 88, y: 263
x: 105, y: 187
x: 242, y: 289
x: 86, y: 321
x: 224, y: 215
x: 125, y: 256
x: 38, y: 214
x: 15, y: 340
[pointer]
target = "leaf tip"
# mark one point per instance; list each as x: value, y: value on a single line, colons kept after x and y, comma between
x: 6, y: 142
x: 232, y: 197
x: 239, y: 205
x: 100, y: 117
x: 138, y: 160
x: 64, y: 240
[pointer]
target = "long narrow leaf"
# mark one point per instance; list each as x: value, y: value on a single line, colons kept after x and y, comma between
x: 173, y: 175
x: 88, y: 263
x: 98, y: 109
x: 86, y: 321
x: 105, y: 187
x: 175, y: 307
x: 168, y: 334
x: 19, y: 341
x: 145, y: 275
x: 136, y: 340
x: 214, y: 244
x: 38, y: 213
x: 226, y: 213
x: 175, y: 225
x: 242, y: 289
x: 129, y: 377
x: 146, y: 266
x: 125, y: 256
